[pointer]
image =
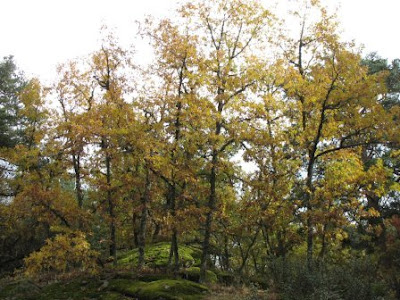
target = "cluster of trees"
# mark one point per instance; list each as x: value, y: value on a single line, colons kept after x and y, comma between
x: 125, y: 155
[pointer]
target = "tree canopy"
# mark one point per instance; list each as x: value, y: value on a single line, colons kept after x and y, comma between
x: 117, y: 157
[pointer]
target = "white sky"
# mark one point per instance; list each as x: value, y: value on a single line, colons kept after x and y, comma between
x: 42, y: 33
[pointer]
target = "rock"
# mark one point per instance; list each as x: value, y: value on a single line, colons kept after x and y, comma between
x: 104, y: 285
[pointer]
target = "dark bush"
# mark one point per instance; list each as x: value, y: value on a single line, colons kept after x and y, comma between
x: 354, y: 280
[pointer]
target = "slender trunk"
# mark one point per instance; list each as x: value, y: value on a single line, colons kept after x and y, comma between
x: 227, y: 264
x: 212, y: 196
x: 78, y: 185
x: 310, y: 173
x: 266, y: 239
x: 309, y: 242
x: 76, y: 160
x: 310, y: 167
x: 135, y: 230
x: 255, y: 264
x: 310, y: 230
x: 111, y: 204
x: 174, y: 251
x: 245, y: 256
x: 209, y: 218
x: 143, y: 219
x: 308, y: 194
x: 323, y: 244
x: 156, y: 232
x: 281, y: 246
x: 135, y: 215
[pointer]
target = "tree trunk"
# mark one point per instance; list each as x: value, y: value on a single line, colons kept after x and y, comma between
x: 209, y: 218
x: 156, y: 232
x: 113, y: 244
x: 212, y: 196
x: 308, y: 200
x: 78, y: 184
x: 245, y: 255
x: 135, y: 230
x: 226, y: 260
x: 174, y: 252
x: 143, y: 219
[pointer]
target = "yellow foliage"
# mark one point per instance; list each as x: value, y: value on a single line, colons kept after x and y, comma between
x: 65, y: 252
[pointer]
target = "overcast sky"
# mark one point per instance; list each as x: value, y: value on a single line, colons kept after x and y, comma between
x: 42, y: 33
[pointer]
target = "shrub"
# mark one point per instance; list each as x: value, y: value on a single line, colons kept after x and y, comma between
x: 65, y: 252
x: 353, y: 280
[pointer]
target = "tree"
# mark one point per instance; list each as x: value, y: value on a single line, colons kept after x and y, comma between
x: 75, y: 91
x: 12, y: 83
x: 109, y: 118
x: 38, y: 199
x: 212, y: 69
x: 381, y: 228
x: 227, y: 31
x: 137, y: 155
x: 175, y: 68
x: 335, y: 105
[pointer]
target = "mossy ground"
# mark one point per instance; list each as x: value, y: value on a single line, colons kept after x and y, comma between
x: 193, y: 274
x: 168, y: 289
x: 123, y: 282
x: 106, y: 289
x: 157, y: 256
x: 22, y: 289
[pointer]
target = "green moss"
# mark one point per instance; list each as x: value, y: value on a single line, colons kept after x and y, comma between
x: 166, y: 289
x: 139, y: 286
x: 157, y: 255
x: 76, y: 289
x: 196, y: 254
x: 193, y: 274
x: 21, y: 289
x: 126, y: 286
x: 113, y: 296
x: 153, y: 277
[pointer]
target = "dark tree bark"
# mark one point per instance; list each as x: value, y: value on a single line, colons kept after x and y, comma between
x: 111, y: 211
x: 145, y: 199
x: 76, y: 160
